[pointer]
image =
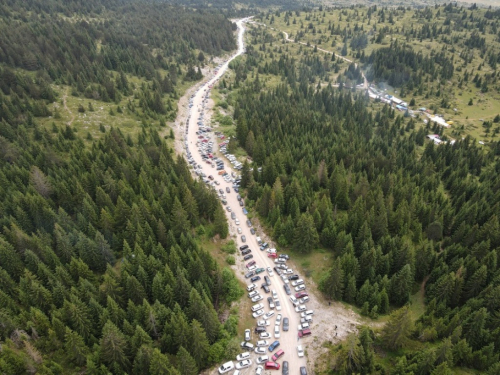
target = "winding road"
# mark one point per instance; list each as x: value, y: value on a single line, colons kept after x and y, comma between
x: 288, y: 340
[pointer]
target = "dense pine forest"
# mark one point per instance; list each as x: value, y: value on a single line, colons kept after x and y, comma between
x: 101, y: 267
x: 335, y: 172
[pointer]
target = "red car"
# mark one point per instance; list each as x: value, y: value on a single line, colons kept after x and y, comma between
x: 280, y: 353
x: 301, y: 294
x: 304, y: 332
x: 272, y: 255
x: 252, y: 263
x: 272, y: 365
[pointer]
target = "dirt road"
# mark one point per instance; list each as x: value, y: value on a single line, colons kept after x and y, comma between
x: 330, y: 323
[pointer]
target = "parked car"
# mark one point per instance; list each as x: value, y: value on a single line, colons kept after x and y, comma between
x: 303, y: 370
x: 228, y: 366
x: 277, y: 304
x: 287, y: 289
x: 304, y: 332
x: 244, y: 364
x: 284, y: 368
x: 262, y: 359
x: 300, y: 351
x: 257, y: 298
x: 249, y: 274
x: 255, y: 278
x: 251, y: 287
x: 247, y: 257
x: 269, y: 315
x: 301, y: 294
x: 297, y: 282
x: 293, y: 277
x: 300, y: 308
x: 243, y: 239
x: 265, y: 287
x: 286, y: 324
x: 277, y: 322
x: 259, y: 329
x: 272, y: 366
x: 304, y: 299
x: 260, y: 349
x: 258, y: 313
x: 246, y: 345
x: 243, y: 247
x: 258, y: 306
x: 265, y: 335
x: 272, y: 255
x: 263, y: 323
x: 259, y: 270
x: 270, y: 271
x: 252, y: 263
x: 267, y: 280
x: 274, y: 345
x: 270, y: 301
x: 258, y: 370
x: 276, y: 332
x: 243, y: 356
x: 245, y: 252
x: 262, y: 343
x: 280, y: 353
x: 300, y: 287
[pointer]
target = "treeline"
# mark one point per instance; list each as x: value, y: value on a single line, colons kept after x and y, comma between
x: 338, y: 175
x: 99, y: 265
x: 399, y: 65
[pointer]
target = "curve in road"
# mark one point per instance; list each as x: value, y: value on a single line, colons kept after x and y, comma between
x: 288, y: 340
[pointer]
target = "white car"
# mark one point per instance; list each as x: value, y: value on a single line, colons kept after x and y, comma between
x: 263, y: 359
x: 300, y: 308
x: 278, y: 305
x: 228, y: 366
x: 258, y: 313
x: 257, y: 298
x: 260, y: 350
x: 237, y: 221
x: 265, y: 335
x: 258, y: 306
x: 303, y: 326
x: 251, y: 287
x: 297, y: 282
x: 258, y: 370
x: 263, y: 323
x: 288, y: 271
x: 307, y: 313
x: 306, y: 319
x: 248, y: 337
x: 252, y: 294
x: 278, y: 320
x: 300, y: 287
x: 280, y: 260
x: 300, y: 351
x: 275, y: 295
x: 252, y: 268
x: 294, y: 300
x: 276, y: 332
x: 261, y: 343
x: 285, y: 279
x: 270, y: 271
x: 239, y: 230
x: 268, y: 315
x: 304, y: 299
x: 244, y: 364
x: 242, y: 356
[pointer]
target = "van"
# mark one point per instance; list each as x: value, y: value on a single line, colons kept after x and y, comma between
x: 304, y: 332
x: 257, y: 307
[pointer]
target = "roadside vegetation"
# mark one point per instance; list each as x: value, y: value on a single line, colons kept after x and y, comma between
x: 397, y: 213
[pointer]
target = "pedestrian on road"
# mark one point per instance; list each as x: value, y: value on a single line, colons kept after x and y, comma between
x: 329, y: 303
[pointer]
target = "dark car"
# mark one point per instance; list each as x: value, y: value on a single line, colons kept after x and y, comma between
x: 249, y: 274
x: 303, y: 371
x: 241, y: 203
x: 284, y: 368
x: 286, y: 324
x: 260, y: 329
x: 245, y: 252
x: 287, y: 289
x: 284, y: 256
x: 252, y: 230
x: 250, y: 264
x: 244, y: 247
x: 293, y: 277
x: 255, y: 278
x: 249, y: 223
x: 249, y: 256
x: 266, y: 288
x: 267, y: 280
x: 228, y: 190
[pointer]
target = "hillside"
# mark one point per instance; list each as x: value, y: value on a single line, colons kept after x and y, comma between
x: 101, y: 267
x: 409, y: 228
